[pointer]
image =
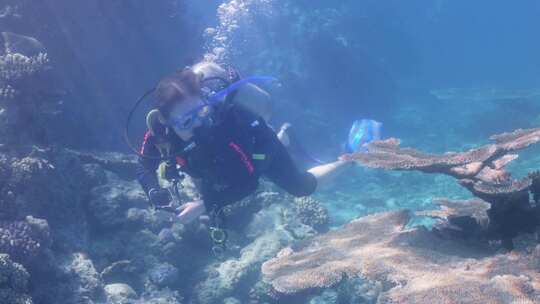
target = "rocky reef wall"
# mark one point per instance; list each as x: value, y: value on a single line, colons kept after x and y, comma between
x: 105, y: 54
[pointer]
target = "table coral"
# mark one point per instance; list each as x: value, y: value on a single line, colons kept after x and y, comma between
x: 413, y: 265
x: 482, y: 171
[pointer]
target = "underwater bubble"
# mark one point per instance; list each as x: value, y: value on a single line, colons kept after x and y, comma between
x: 14, y: 43
x: 210, y: 31
x: 235, y: 20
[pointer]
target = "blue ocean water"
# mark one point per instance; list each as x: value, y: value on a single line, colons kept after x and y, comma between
x: 440, y: 75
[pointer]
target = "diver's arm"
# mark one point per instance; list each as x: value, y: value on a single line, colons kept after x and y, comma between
x: 146, y: 170
x: 213, y: 200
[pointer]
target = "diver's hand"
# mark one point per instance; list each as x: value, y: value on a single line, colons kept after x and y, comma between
x: 191, y: 211
x: 346, y: 158
x: 159, y: 197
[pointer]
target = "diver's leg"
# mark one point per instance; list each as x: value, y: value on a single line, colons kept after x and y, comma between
x: 283, y: 172
x: 283, y: 136
x: 327, y: 172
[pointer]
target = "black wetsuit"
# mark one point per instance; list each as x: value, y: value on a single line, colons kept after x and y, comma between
x: 229, y: 158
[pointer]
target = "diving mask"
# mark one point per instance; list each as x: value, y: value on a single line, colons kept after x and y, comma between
x: 188, y: 120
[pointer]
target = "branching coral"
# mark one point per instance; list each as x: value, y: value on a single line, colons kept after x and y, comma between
x: 310, y: 212
x: 24, y: 240
x: 413, y: 265
x: 482, y: 171
x: 31, y: 171
x: 15, y: 67
x: 25, y: 94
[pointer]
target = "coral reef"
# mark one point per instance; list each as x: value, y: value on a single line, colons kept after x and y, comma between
x: 124, y: 166
x: 233, y: 272
x: 21, y: 58
x: 161, y: 296
x: 111, y: 203
x: 482, y: 171
x: 26, y: 240
x: 107, y: 244
x: 98, y: 228
x: 13, y: 282
x: 323, y: 261
x: 163, y: 275
x: 49, y: 184
x: 25, y: 103
x: 80, y: 277
x: 238, y: 215
x: 120, y: 294
x: 467, y: 218
x: 451, y: 210
x: 268, y: 234
x: 82, y: 228
x: 413, y: 265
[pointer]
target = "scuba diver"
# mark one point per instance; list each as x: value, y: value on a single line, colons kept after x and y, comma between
x: 221, y: 139
x: 258, y: 101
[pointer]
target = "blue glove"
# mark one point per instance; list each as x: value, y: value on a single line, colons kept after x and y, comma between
x: 362, y: 133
